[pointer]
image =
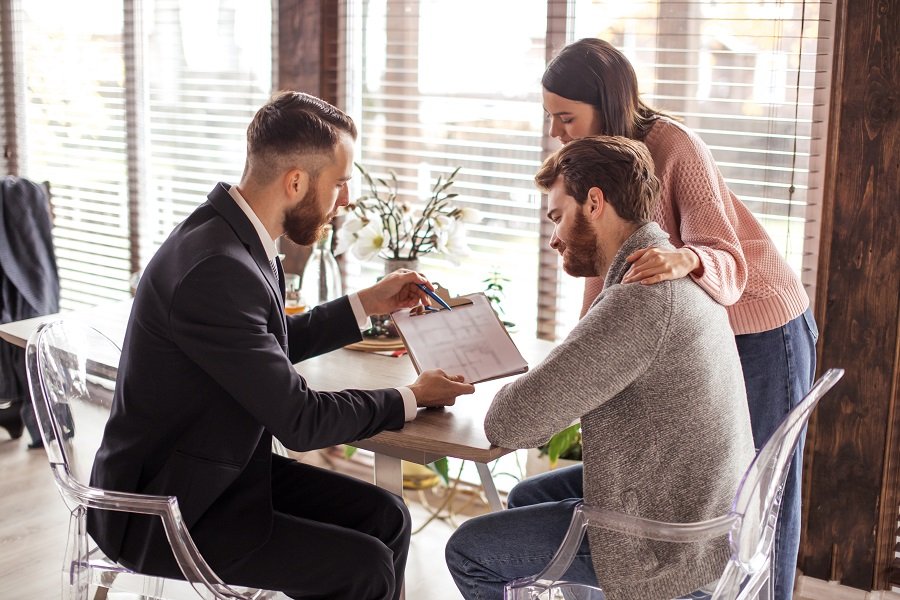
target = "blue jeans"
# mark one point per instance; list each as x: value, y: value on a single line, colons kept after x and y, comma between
x: 779, y: 367
x: 488, y: 551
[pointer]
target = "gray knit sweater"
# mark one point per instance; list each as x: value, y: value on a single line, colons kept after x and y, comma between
x: 653, y: 373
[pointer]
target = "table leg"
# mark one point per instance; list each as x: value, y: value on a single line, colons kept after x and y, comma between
x: 389, y: 476
x: 490, y: 490
x: 389, y: 473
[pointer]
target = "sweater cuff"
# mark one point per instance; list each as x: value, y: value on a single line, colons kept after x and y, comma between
x: 711, y: 280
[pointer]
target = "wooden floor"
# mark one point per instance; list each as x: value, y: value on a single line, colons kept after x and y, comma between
x: 34, y: 522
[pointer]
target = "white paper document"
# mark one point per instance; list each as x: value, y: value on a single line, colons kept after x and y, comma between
x: 469, y: 340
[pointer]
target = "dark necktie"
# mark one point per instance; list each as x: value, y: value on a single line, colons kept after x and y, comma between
x: 279, y: 275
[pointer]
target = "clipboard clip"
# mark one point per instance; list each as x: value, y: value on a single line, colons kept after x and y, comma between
x: 420, y: 310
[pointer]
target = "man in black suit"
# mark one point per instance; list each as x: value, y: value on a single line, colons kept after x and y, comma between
x: 206, y: 379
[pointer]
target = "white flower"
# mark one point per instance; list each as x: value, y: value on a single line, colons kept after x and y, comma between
x: 470, y: 215
x: 346, y: 235
x: 370, y: 240
x: 443, y: 222
x: 452, y: 243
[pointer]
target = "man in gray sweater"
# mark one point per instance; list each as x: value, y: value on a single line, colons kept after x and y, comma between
x: 653, y: 373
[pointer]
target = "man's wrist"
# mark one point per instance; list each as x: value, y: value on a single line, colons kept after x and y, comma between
x: 365, y: 300
x: 410, y: 405
x: 359, y: 312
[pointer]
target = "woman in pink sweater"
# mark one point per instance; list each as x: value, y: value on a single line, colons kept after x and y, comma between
x: 590, y: 88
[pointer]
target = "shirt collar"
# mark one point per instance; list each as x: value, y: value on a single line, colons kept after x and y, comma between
x: 268, y: 243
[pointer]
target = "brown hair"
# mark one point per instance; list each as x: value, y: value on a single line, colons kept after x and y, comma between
x: 620, y: 167
x: 290, y: 126
x: 593, y: 71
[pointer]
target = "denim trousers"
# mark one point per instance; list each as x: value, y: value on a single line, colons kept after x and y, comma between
x: 486, y: 552
x: 779, y: 367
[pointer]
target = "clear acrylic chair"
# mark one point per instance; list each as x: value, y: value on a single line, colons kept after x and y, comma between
x: 71, y: 373
x: 750, y: 524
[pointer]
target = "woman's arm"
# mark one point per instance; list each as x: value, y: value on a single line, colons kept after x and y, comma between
x: 701, y: 207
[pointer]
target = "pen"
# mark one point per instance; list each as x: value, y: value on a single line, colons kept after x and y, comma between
x: 434, y: 296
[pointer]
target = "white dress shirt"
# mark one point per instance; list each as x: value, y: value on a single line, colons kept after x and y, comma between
x: 362, y: 319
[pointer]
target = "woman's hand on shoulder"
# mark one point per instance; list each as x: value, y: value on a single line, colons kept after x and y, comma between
x: 652, y: 265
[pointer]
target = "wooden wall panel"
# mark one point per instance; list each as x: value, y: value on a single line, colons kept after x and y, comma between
x: 851, y: 486
x: 307, y: 62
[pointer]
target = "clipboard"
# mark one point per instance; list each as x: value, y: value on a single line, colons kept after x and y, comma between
x: 469, y: 340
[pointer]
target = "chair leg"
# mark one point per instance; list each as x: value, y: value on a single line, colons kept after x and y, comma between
x: 767, y: 592
x: 101, y: 593
x: 76, y: 577
x: 153, y: 587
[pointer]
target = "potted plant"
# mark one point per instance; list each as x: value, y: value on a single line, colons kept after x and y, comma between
x: 563, y: 449
x: 382, y: 224
x: 494, y: 292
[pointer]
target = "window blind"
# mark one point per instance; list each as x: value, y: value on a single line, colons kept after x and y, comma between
x: 132, y: 144
x: 75, y: 132
x: 208, y: 70
x: 747, y: 76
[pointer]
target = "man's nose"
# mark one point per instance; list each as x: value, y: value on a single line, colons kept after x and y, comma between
x: 554, y: 241
x: 343, y: 196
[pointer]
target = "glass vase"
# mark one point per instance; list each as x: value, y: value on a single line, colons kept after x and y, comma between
x: 321, y: 279
x: 392, y: 264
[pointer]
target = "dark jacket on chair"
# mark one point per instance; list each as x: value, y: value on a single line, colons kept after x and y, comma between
x: 29, y: 283
x: 205, y: 380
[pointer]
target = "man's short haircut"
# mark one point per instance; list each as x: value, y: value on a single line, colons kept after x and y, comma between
x: 620, y: 167
x: 294, y: 129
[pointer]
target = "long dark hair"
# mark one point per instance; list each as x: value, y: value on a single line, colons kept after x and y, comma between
x: 593, y: 71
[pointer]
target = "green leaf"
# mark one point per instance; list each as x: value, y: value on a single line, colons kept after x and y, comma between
x: 349, y: 451
x: 563, y: 442
x: 442, y: 468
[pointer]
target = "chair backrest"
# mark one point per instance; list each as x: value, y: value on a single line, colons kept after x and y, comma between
x: 72, y: 394
x: 758, y: 498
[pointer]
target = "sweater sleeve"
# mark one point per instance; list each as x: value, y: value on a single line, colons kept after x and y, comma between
x: 607, y: 350
x: 703, y: 210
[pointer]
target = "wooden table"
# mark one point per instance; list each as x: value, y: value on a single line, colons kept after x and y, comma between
x: 456, y: 432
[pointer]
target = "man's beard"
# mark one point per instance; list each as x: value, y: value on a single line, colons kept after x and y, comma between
x: 305, y: 223
x: 583, y: 255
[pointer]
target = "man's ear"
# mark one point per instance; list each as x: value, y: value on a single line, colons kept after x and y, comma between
x: 296, y: 183
x: 595, y: 203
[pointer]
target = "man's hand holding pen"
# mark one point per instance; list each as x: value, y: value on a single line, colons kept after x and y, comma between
x: 401, y: 289
x: 404, y: 289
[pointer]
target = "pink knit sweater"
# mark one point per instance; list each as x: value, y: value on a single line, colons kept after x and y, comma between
x: 742, y: 269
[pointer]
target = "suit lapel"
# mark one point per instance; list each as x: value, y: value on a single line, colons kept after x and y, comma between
x: 222, y: 201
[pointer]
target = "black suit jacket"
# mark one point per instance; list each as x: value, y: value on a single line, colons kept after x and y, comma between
x: 206, y: 379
